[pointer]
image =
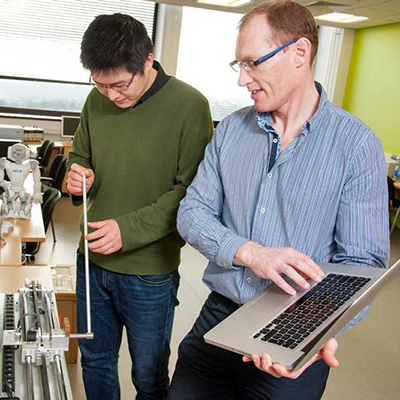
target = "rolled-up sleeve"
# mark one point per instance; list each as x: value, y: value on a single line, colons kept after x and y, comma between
x: 362, y: 228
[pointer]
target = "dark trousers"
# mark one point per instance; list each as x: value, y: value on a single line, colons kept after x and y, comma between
x: 206, y: 372
x: 145, y: 305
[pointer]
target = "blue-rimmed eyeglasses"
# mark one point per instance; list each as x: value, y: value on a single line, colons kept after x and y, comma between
x: 251, y: 65
x: 119, y: 87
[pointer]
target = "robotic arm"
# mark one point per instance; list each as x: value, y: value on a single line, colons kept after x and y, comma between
x: 3, y: 183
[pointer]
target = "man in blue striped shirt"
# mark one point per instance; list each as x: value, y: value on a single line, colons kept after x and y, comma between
x: 286, y: 184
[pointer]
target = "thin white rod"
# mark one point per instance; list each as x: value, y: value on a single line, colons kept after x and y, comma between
x: 85, y: 232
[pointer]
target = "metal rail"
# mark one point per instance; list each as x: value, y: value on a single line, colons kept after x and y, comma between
x: 49, y: 312
x: 44, y: 371
x: 60, y: 378
x: 29, y: 378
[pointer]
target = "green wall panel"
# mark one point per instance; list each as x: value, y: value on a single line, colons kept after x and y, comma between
x: 373, y: 85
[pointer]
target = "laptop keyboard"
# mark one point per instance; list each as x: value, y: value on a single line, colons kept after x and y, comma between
x: 297, y: 322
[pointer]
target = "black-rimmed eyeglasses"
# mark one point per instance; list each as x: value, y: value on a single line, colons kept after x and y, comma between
x: 119, y: 87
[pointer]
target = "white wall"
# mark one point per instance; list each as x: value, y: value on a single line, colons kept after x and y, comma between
x: 333, y: 60
x: 168, y: 34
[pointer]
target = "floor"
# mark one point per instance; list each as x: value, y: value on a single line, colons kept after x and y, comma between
x: 368, y: 354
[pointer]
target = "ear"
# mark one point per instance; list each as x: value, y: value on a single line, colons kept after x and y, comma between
x: 148, y: 64
x: 302, y: 52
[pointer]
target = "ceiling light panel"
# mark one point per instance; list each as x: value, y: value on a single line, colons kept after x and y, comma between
x: 340, y: 17
x: 225, y: 3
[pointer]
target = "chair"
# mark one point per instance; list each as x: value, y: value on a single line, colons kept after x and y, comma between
x: 56, y: 174
x: 44, y: 154
x: 51, y: 197
x: 393, y: 202
x: 55, y: 179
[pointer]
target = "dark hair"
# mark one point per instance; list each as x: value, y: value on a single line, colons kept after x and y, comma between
x: 288, y: 20
x: 115, y: 42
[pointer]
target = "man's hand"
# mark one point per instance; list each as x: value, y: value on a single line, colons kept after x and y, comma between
x: 75, y: 179
x: 108, y: 237
x: 264, y: 363
x: 270, y: 262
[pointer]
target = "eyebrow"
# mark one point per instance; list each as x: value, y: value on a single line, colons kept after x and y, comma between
x: 254, y: 58
x: 247, y: 58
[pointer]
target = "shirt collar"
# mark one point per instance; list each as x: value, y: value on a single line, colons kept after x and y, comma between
x: 264, y: 119
x: 161, y: 79
x: 323, y: 100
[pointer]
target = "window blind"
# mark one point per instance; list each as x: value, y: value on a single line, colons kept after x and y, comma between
x: 41, y: 38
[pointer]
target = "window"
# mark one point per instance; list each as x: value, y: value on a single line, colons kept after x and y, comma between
x: 207, y: 45
x: 40, y: 48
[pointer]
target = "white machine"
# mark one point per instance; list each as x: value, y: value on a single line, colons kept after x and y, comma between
x: 32, y: 366
x: 17, y: 203
x: 21, y: 132
x: 11, y: 131
x: 33, y: 344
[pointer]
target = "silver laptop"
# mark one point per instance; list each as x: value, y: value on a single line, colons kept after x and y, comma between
x: 291, y: 329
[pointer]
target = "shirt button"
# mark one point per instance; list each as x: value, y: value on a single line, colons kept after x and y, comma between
x: 269, y: 175
x: 275, y: 140
x: 248, y: 279
x: 262, y: 210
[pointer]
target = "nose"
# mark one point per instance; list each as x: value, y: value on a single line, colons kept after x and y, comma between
x: 112, y: 94
x: 244, y: 77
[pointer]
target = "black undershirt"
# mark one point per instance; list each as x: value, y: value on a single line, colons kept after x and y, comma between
x: 161, y: 79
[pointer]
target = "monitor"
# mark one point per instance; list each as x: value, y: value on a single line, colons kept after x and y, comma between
x: 69, y: 125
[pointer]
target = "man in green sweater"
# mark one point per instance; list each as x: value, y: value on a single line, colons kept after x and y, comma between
x: 141, y: 137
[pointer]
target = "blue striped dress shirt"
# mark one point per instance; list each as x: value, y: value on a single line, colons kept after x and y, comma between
x: 324, y: 195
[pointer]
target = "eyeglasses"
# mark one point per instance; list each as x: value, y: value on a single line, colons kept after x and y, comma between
x: 119, y: 87
x: 251, y: 65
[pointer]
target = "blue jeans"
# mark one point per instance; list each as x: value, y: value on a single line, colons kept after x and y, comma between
x: 145, y: 305
x: 206, y: 372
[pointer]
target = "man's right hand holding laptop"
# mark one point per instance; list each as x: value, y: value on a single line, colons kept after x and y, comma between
x: 270, y: 263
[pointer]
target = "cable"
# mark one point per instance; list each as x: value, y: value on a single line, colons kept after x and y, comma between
x: 25, y: 315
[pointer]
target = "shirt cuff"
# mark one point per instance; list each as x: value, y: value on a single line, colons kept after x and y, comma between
x: 228, y: 249
x: 76, y: 200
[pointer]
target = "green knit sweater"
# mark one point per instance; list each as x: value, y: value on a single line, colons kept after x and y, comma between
x: 143, y: 158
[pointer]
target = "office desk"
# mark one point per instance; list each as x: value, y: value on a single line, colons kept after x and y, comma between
x: 25, y: 230
x: 30, y: 230
x: 12, y: 279
x: 11, y: 253
x: 65, y: 287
